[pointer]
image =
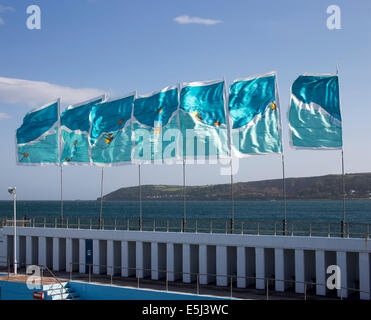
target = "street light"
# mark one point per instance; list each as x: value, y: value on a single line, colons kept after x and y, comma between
x: 11, y: 190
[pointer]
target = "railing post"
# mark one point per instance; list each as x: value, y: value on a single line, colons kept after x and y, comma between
x: 111, y: 274
x: 167, y: 225
x: 90, y: 224
x: 115, y: 224
x: 78, y: 223
x: 258, y: 228
x: 275, y: 228
x: 310, y: 229
x: 55, y: 223
x: 242, y: 226
x: 167, y: 281
x: 342, y: 228
x: 154, y: 225
x: 44, y: 222
x: 329, y: 231
x: 196, y: 226
x: 232, y: 226
x: 67, y: 223
x: 284, y: 226
x: 197, y: 285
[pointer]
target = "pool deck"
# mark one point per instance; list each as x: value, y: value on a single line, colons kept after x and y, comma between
x: 176, y: 287
x: 22, y: 278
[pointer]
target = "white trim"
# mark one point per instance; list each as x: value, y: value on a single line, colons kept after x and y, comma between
x: 150, y: 94
x: 81, y: 104
x: 201, y: 83
x: 265, y: 75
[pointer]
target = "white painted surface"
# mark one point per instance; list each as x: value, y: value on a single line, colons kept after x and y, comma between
x: 170, y: 267
x: 299, y: 270
x: 110, y: 255
x: 42, y: 251
x: 82, y: 257
x: 364, y: 275
x: 241, y: 267
x: 260, y: 268
x: 139, y: 259
x: 154, y: 261
x: 124, y: 258
x: 279, y: 270
x: 28, y: 250
x: 56, y: 254
x: 186, y: 263
x: 96, y: 257
x: 203, y: 263
x: 341, y: 261
x: 320, y: 273
x: 209, y: 247
x: 221, y: 266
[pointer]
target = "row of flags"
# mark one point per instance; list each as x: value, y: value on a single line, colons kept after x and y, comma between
x: 187, y: 121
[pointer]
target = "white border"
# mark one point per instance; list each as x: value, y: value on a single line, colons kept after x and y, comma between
x: 289, y: 109
x: 54, y: 129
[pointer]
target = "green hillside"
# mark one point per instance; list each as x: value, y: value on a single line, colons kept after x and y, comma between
x: 357, y: 186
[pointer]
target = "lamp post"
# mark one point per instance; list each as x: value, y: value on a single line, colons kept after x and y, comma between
x: 11, y: 190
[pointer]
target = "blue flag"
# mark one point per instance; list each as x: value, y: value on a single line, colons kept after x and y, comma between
x: 75, y: 127
x: 155, y: 126
x: 38, y: 138
x: 110, y: 135
x: 202, y: 117
x: 314, y: 115
x: 255, y: 116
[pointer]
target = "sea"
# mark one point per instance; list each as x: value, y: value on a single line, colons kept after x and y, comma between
x: 314, y: 211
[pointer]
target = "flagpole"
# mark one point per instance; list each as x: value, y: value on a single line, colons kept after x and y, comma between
x: 284, y: 193
x: 184, y: 195
x: 232, y: 197
x: 343, y: 183
x: 101, y: 200
x: 140, y: 199
x: 61, y: 217
x: 342, y: 173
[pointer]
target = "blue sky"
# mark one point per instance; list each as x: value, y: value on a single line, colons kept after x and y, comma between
x: 86, y: 47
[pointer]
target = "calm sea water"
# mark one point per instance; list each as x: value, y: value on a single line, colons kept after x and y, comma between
x: 358, y: 211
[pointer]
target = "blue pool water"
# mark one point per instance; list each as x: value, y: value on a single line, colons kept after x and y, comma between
x: 90, y: 291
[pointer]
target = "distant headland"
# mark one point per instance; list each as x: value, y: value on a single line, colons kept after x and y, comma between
x: 328, y: 187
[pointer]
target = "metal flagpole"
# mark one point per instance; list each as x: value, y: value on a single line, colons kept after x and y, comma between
x: 284, y: 194
x: 343, y: 182
x: 232, y: 197
x: 184, y: 196
x: 140, y: 200
x: 342, y: 174
x: 61, y: 217
x: 101, y: 200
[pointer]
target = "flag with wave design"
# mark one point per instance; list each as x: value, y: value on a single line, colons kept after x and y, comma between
x: 75, y: 127
x: 314, y: 115
x: 37, y: 140
x: 202, y: 117
x: 110, y: 135
x: 155, y: 126
x: 255, y: 116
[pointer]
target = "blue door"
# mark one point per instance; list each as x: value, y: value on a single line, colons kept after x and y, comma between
x: 88, y: 254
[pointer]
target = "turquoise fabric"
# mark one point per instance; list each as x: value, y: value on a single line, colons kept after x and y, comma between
x: 314, y: 115
x: 37, y: 138
x: 110, y: 136
x: 203, y: 121
x: 75, y: 127
x: 254, y: 110
x: 155, y: 127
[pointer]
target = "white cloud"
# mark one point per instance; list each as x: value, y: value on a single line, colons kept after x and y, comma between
x: 4, y: 115
x: 5, y: 9
x: 30, y: 93
x: 187, y: 20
